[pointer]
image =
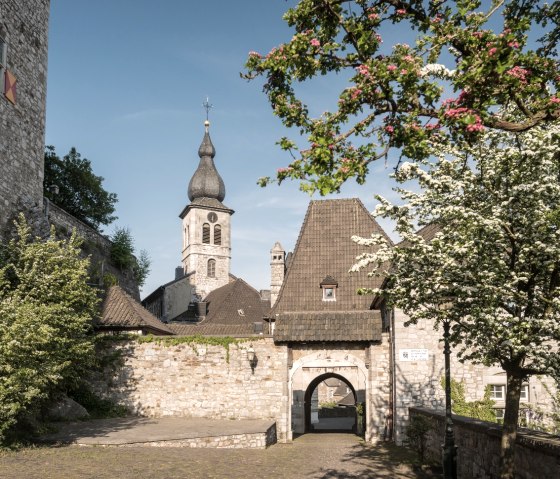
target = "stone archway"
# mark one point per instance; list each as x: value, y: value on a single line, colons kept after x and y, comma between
x: 308, y: 401
x: 313, y: 363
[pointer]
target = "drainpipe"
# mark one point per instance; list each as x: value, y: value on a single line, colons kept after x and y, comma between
x: 392, y: 361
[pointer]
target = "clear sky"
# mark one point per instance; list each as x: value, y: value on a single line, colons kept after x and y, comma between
x: 126, y: 83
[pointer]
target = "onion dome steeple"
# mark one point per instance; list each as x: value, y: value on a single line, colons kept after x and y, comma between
x: 206, y: 181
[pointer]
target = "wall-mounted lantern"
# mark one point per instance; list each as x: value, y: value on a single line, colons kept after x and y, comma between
x: 252, y: 358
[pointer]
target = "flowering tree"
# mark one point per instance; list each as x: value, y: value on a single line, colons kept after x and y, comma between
x: 465, y: 63
x: 46, y: 312
x: 495, y: 260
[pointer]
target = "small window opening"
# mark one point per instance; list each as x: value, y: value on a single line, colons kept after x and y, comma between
x: 217, y: 234
x: 211, y: 268
x: 206, y: 233
x: 329, y: 286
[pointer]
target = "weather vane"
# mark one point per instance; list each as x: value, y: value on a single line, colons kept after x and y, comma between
x: 207, y: 106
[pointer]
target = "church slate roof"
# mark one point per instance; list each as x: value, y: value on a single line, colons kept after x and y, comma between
x: 325, y: 248
x: 233, y: 309
x: 206, y: 182
x: 313, y: 326
x: 119, y: 311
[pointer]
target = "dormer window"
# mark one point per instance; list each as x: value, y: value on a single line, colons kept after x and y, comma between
x: 329, y: 286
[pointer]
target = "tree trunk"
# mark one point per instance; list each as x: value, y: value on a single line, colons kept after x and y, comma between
x: 509, y: 433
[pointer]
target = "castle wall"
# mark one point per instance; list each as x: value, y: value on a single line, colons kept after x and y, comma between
x: 24, y: 29
x: 95, y: 245
x: 417, y: 378
x: 200, y: 380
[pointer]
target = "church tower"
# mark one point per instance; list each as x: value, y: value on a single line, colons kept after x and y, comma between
x: 206, y: 250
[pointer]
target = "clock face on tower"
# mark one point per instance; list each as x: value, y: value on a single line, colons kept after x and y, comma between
x: 212, y: 217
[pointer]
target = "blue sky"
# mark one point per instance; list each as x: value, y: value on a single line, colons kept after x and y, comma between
x: 126, y: 82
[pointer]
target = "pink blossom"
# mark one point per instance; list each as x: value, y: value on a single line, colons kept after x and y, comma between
x: 314, y: 42
x: 492, y: 51
x: 356, y: 93
x: 378, y: 38
x: 284, y: 170
x: 408, y: 58
x: 513, y: 44
x: 401, y: 11
x: 519, y: 73
x: 363, y: 70
x: 554, y: 99
x: 473, y: 127
x: 391, y: 68
x: 373, y: 16
x: 477, y: 34
x: 344, y: 169
x: 389, y: 129
x: 255, y: 54
x: 404, y: 71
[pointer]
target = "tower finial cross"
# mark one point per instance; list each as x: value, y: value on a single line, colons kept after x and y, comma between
x: 207, y: 106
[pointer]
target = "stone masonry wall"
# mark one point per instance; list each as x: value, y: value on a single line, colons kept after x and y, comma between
x: 157, y: 379
x: 96, y: 246
x: 24, y: 29
x: 418, y: 378
x: 537, y: 455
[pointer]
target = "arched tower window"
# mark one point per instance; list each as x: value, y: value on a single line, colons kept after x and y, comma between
x: 206, y: 233
x: 217, y: 234
x: 211, y: 268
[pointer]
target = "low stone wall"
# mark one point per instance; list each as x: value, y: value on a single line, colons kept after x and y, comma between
x: 159, y: 379
x: 537, y: 454
x: 257, y: 440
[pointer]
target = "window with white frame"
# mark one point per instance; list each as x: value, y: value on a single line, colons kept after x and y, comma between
x: 329, y: 285
x: 524, y: 392
x: 499, y: 412
x: 498, y: 392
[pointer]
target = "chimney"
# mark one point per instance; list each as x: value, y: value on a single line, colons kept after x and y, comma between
x: 277, y: 271
x: 179, y: 272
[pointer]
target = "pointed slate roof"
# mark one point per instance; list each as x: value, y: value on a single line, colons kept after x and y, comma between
x: 232, y: 310
x: 206, y: 182
x: 325, y: 249
x: 120, y: 311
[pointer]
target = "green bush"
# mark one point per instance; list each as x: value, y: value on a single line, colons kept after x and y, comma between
x: 46, y: 314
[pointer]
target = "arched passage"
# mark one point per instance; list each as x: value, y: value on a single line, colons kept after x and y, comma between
x: 343, y: 424
x: 310, y: 365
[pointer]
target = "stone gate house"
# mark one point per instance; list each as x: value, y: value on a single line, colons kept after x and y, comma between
x: 318, y: 328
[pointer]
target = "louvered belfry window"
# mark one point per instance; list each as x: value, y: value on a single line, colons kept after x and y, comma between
x: 211, y: 268
x: 206, y: 233
x: 217, y: 234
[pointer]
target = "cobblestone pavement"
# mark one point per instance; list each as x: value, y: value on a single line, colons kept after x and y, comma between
x: 312, y: 456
